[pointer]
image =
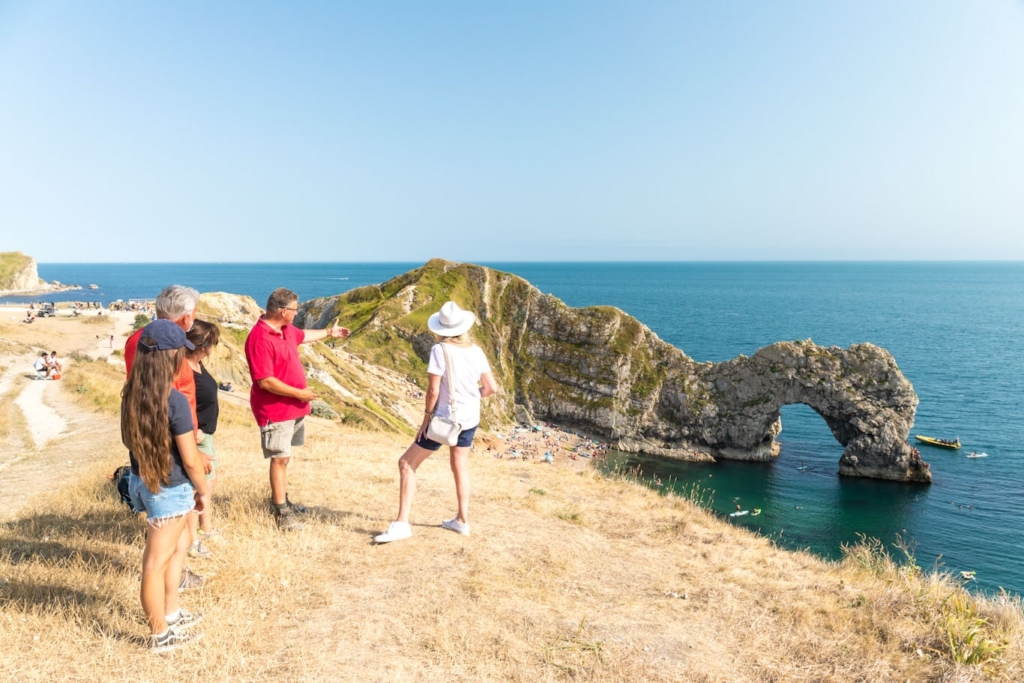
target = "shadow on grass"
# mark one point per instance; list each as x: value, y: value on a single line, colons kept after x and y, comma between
x: 94, y: 611
x: 113, y: 525
x: 52, y: 560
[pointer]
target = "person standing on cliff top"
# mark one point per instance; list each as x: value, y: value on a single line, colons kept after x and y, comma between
x: 458, y: 376
x: 279, y: 397
x: 177, y: 304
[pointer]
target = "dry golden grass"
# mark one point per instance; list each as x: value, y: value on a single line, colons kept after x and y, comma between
x: 567, y: 576
x: 12, y: 428
x: 96, y: 384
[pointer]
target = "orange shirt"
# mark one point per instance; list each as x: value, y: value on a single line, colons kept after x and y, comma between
x: 185, y: 382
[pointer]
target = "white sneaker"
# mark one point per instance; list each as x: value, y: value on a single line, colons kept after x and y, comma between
x: 455, y: 525
x: 398, y: 531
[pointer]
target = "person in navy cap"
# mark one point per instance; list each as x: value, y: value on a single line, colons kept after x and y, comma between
x: 167, y: 479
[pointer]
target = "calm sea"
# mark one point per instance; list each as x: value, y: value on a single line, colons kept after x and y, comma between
x: 954, y: 329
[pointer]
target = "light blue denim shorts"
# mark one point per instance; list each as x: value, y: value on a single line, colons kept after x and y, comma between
x: 169, y: 503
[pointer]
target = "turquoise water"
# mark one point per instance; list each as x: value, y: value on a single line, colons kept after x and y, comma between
x: 953, y: 329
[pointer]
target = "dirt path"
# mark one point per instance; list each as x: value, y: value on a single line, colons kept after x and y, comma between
x: 44, y: 423
x: 83, y: 441
x: 53, y: 439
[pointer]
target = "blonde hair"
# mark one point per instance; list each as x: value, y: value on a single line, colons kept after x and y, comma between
x: 464, y: 339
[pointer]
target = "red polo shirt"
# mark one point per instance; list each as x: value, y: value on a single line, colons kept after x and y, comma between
x: 275, y: 354
x: 185, y: 382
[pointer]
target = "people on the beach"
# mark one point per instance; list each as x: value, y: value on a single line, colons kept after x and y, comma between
x: 204, y: 337
x: 167, y: 480
x: 279, y: 398
x: 458, y: 377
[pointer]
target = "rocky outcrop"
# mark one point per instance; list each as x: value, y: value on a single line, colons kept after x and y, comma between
x: 235, y: 314
x: 19, y: 275
x: 232, y: 309
x: 601, y: 370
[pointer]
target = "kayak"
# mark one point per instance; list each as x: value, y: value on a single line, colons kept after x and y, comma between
x: 802, y: 468
x: 739, y: 514
x: 756, y: 512
x: 941, y: 443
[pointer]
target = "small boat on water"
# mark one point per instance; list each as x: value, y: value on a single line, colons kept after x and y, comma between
x: 739, y: 513
x: 941, y: 443
x: 972, y: 454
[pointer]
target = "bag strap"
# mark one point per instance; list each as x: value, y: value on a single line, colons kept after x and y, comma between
x: 451, y: 385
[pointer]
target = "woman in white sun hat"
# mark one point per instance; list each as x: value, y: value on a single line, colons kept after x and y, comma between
x: 472, y: 379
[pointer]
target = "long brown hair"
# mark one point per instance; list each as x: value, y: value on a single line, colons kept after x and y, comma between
x: 145, y: 424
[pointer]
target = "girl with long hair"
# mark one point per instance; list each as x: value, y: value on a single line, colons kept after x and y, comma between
x: 167, y: 480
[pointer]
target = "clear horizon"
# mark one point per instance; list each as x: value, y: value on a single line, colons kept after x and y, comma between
x: 486, y: 262
x: 575, y: 131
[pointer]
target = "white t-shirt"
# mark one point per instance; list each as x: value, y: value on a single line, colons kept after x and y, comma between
x: 468, y: 364
x: 40, y: 363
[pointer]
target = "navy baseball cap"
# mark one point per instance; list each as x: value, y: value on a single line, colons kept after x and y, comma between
x: 163, y: 335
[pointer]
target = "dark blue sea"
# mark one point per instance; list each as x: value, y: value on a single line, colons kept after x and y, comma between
x: 953, y: 328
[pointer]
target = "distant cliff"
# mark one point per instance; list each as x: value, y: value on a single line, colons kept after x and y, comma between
x: 20, y: 275
x: 602, y: 370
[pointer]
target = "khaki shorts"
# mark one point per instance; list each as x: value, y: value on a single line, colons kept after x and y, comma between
x: 279, y: 437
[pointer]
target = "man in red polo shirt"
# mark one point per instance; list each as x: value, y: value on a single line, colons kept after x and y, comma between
x: 279, y: 397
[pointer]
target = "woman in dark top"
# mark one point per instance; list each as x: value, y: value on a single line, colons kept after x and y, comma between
x: 205, y: 336
x: 167, y: 480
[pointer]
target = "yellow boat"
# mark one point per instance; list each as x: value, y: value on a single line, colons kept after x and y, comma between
x: 941, y: 443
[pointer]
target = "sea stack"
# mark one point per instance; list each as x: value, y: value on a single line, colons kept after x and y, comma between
x: 600, y: 370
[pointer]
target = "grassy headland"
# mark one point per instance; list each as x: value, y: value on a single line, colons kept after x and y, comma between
x: 568, y: 576
x: 12, y: 263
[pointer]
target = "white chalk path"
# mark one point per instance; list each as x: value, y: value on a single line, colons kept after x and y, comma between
x: 44, y: 423
x: 58, y: 441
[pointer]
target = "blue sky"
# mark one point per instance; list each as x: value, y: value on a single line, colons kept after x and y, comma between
x: 400, y: 131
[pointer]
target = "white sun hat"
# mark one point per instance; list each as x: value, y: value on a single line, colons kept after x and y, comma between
x: 450, y: 321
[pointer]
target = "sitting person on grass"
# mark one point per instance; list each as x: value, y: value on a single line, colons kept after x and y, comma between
x: 42, y: 365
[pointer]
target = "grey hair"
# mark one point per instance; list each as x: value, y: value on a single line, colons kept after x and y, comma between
x: 175, y: 301
x: 279, y: 299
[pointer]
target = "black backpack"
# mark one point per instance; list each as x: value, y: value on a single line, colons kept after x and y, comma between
x: 120, y: 480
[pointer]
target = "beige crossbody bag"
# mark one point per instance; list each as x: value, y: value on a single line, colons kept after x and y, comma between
x: 445, y: 430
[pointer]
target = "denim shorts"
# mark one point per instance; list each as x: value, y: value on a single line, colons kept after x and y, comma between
x: 465, y: 440
x: 170, y: 502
